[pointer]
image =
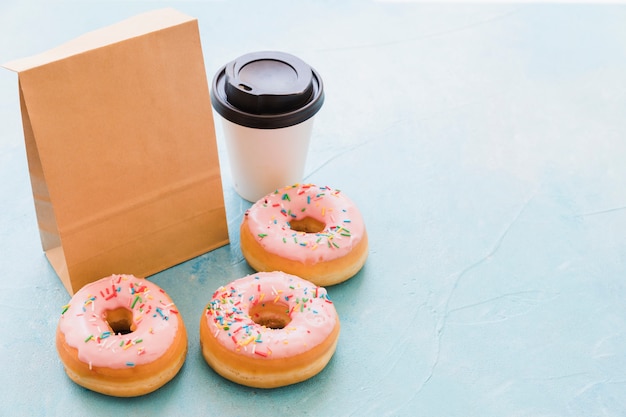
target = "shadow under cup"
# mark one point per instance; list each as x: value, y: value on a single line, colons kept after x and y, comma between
x: 266, y: 101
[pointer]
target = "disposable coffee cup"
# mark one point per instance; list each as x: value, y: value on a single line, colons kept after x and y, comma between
x: 266, y: 102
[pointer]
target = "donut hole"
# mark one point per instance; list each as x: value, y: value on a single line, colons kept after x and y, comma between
x: 270, y: 315
x: 307, y: 225
x: 120, y: 320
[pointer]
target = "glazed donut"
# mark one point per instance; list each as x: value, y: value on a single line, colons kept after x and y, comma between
x: 121, y: 336
x: 313, y: 232
x: 269, y: 330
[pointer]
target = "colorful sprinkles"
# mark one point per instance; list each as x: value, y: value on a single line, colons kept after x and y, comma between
x: 229, y: 312
x: 142, y: 302
x: 300, y: 201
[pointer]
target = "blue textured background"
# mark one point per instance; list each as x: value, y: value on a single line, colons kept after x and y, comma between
x: 485, y: 145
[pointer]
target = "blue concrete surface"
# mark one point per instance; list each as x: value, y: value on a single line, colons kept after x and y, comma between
x: 485, y: 145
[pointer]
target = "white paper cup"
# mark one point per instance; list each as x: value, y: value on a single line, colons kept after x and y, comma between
x: 266, y: 102
x: 262, y: 160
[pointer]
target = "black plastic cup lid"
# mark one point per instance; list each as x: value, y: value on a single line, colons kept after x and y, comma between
x: 267, y: 90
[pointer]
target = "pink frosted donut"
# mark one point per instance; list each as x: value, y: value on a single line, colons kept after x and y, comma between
x: 268, y: 330
x: 121, y: 336
x: 316, y: 233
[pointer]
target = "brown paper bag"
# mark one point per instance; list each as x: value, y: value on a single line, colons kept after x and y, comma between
x: 121, y: 149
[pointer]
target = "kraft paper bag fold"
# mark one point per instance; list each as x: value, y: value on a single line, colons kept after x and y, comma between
x: 121, y: 149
